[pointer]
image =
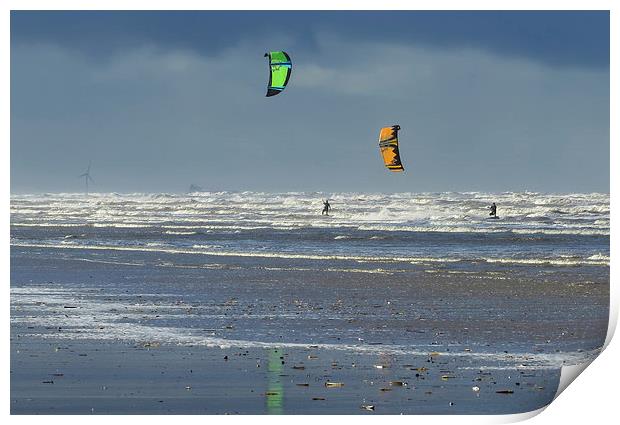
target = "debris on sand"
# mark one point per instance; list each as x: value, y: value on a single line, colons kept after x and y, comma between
x: 334, y: 384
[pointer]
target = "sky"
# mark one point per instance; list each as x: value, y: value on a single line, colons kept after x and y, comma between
x: 156, y: 101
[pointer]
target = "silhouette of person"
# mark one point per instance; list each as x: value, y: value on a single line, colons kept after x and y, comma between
x: 326, y: 207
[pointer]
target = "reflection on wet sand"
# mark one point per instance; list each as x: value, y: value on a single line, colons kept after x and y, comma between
x: 275, y: 389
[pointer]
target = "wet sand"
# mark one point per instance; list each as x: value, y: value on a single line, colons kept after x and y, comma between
x: 95, y: 333
x: 114, y: 378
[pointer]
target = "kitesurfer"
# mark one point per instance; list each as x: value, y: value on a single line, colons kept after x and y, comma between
x: 326, y: 207
x: 493, y: 208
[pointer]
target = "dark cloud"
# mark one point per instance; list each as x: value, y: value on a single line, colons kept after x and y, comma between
x: 559, y: 38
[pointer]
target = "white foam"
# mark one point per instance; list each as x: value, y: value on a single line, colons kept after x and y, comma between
x: 599, y: 261
x: 443, y: 212
x: 96, y: 317
x: 213, y: 250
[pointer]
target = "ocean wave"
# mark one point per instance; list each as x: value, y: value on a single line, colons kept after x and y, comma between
x: 551, y: 261
x: 214, y: 250
x: 121, y: 225
x: 521, y: 213
x: 599, y: 257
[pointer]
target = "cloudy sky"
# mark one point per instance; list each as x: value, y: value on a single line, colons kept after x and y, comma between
x: 493, y: 101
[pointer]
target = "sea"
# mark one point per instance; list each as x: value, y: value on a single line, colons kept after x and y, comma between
x: 561, y: 230
x: 407, y: 273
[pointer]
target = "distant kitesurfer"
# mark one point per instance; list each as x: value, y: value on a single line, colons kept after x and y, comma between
x: 326, y: 207
x: 493, y: 208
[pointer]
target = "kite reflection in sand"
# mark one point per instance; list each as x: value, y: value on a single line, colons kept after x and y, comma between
x: 275, y: 389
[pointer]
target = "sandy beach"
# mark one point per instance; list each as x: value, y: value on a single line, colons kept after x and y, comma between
x: 153, y: 334
x: 115, y: 378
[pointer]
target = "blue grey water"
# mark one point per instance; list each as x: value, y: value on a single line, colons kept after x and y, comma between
x: 564, y: 229
x: 383, y: 275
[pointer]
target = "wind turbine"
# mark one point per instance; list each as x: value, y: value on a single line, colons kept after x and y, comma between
x: 87, y: 177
